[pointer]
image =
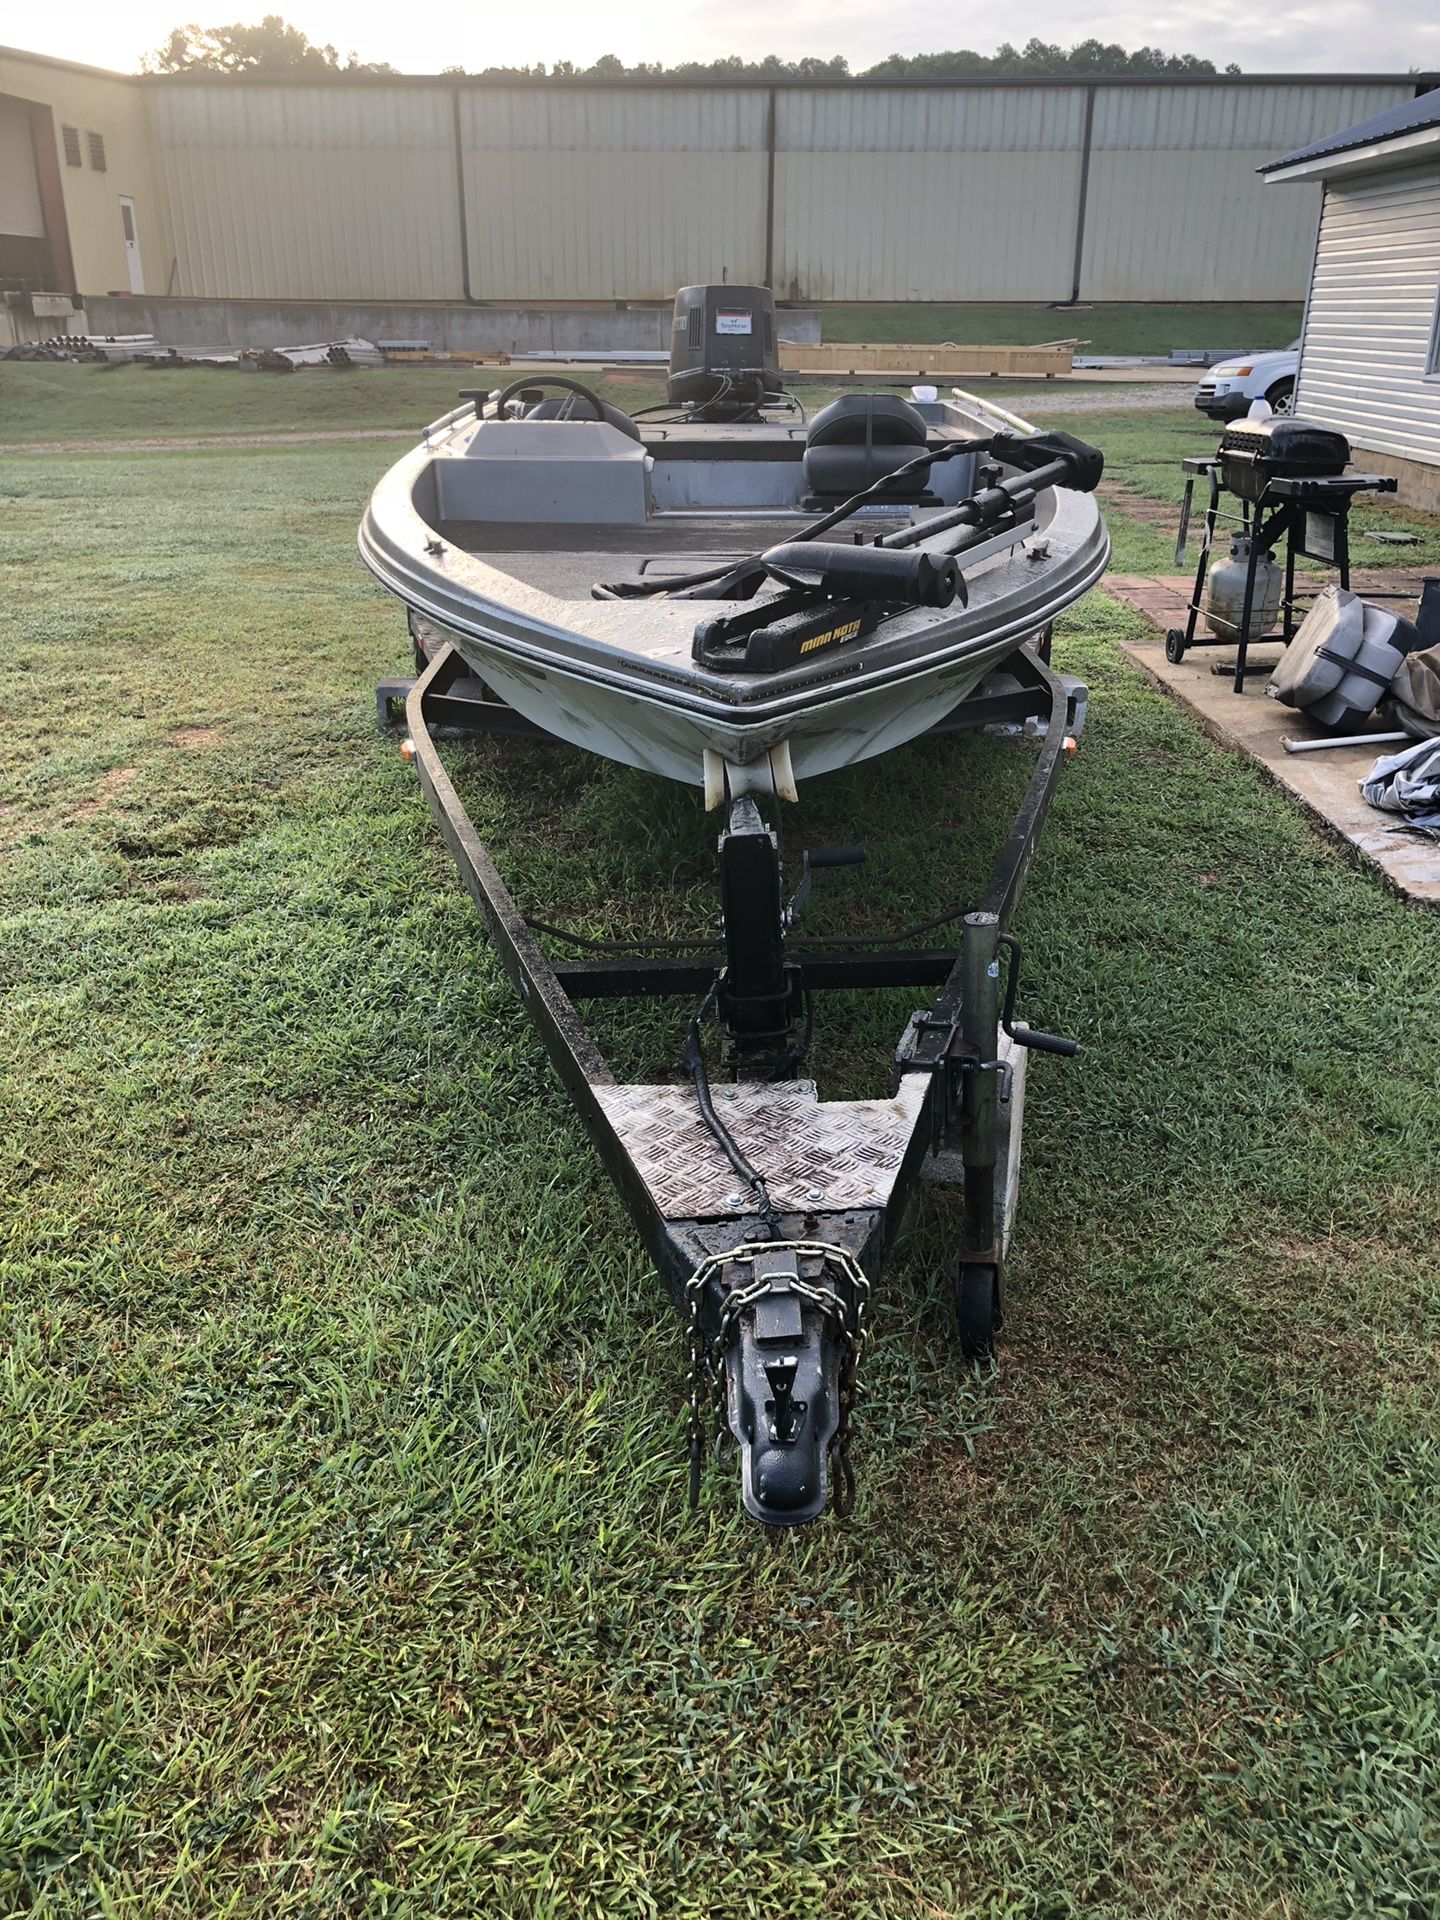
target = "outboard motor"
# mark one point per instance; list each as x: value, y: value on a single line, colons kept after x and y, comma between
x: 723, y: 356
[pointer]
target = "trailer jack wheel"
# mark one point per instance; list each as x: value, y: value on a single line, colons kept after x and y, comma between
x: 977, y: 1308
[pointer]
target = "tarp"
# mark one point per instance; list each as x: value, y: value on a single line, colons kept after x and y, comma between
x: 1408, y: 784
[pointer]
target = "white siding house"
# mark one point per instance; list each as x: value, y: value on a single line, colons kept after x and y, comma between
x: 1370, y: 347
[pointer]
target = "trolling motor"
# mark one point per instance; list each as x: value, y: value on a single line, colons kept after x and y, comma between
x: 834, y: 594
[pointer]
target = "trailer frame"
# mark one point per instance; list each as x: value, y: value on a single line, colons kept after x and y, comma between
x: 773, y: 1275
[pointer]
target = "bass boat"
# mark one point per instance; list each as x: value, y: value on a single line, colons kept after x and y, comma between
x: 728, y: 594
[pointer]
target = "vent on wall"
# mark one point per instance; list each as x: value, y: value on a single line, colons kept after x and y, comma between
x: 71, y: 137
x: 97, y: 151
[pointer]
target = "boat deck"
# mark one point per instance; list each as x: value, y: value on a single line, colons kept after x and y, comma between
x: 567, y: 561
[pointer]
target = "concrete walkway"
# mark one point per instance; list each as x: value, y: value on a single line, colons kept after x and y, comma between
x: 1325, y: 783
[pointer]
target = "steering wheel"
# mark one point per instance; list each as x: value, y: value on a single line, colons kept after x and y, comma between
x: 547, y: 380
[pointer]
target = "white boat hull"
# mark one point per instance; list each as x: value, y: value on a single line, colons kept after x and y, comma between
x: 618, y: 677
x: 660, y: 738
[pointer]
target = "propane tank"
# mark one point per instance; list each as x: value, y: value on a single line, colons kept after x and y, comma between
x: 1225, y: 599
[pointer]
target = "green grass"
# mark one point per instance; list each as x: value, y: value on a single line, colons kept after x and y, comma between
x: 1139, y: 327
x: 344, y: 1566
x: 65, y: 402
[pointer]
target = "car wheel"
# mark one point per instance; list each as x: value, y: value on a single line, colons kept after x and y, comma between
x: 1282, y: 396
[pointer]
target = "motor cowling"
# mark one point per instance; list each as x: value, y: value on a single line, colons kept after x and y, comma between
x: 724, y: 357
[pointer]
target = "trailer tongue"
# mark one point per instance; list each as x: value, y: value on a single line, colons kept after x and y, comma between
x: 768, y: 1211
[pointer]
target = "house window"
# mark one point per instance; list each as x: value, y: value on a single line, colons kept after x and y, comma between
x: 71, y: 137
x: 97, y: 151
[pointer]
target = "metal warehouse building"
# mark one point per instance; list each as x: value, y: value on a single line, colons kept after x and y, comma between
x: 383, y: 189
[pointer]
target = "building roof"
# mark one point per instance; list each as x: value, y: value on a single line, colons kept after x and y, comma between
x: 1420, y: 116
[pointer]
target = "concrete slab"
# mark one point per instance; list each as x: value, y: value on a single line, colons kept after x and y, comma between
x: 1325, y: 783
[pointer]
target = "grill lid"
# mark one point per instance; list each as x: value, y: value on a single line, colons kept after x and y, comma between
x: 1285, y: 445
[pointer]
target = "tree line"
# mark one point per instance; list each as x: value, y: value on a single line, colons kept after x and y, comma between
x: 274, y: 47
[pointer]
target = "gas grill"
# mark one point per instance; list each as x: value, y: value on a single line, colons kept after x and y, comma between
x: 1290, y: 480
x: 1255, y: 452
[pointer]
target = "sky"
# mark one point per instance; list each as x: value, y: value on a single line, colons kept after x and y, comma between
x: 1335, y: 36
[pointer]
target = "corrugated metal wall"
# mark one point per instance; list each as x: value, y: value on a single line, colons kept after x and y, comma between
x: 880, y: 193
x: 1174, y: 199
x: 587, y: 194
x: 303, y: 193
x: 917, y: 194
x: 1370, y: 329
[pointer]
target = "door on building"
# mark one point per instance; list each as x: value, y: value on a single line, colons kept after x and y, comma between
x: 132, y: 244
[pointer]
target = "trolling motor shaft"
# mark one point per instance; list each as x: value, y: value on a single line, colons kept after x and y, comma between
x: 833, y: 594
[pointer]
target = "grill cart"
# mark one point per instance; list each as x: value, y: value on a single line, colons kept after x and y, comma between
x: 1289, y: 482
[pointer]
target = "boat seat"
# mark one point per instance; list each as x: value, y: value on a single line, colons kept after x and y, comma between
x: 858, y: 439
x: 574, y: 406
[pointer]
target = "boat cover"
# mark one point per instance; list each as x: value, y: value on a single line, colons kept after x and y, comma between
x: 1408, y: 783
x: 1342, y: 659
x: 1413, y: 701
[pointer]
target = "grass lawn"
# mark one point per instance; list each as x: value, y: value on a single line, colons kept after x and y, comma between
x: 344, y: 1564
x: 67, y: 402
x: 61, y: 402
x: 1139, y: 327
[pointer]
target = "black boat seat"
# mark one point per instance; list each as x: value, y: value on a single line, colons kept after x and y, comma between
x: 574, y: 406
x: 858, y: 439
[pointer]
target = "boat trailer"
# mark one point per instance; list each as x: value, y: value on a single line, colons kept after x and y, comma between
x: 768, y: 1211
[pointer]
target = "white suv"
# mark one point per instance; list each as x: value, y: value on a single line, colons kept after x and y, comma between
x: 1225, y: 392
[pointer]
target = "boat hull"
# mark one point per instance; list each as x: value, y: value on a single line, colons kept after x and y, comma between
x: 618, y: 677
x: 658, y: 737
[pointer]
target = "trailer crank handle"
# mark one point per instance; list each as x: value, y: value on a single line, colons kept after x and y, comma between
x: 1022, y: 1035
x: 815, y: 860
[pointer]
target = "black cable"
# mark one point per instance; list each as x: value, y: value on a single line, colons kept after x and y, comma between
x: 593, y: 944
x: 597, y: 944
x: 900, y: 939
x: 693, y: 1060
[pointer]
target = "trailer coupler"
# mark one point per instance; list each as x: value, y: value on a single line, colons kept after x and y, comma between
x: 780, y: 1363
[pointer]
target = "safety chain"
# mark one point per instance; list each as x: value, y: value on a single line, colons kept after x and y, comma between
x: 707, y: 1353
